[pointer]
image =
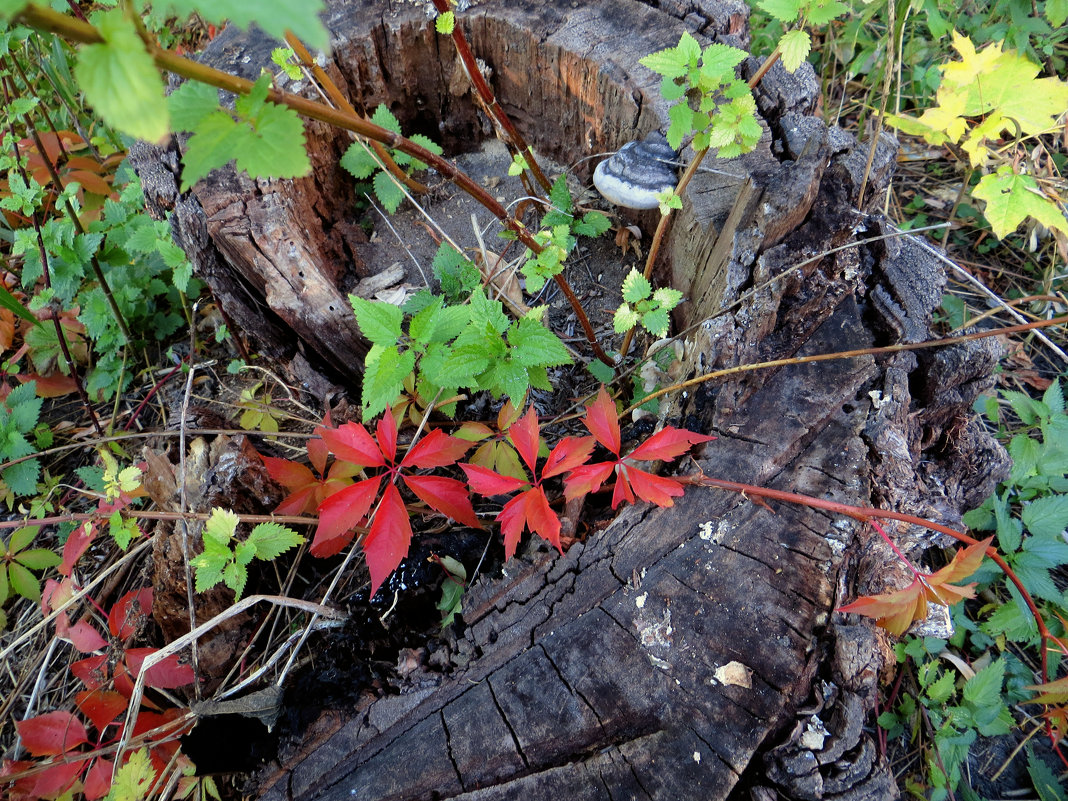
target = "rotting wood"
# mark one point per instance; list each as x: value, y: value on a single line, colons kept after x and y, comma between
x: 595, y: 671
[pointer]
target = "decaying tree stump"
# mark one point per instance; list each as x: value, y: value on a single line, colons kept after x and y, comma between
x: 682, y: 650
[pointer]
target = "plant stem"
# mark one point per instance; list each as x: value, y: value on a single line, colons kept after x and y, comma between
x: 343, y: 103
x: 485, y: 94
x: 47, y: 20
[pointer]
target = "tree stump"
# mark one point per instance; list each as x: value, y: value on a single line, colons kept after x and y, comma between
x: 683, y: 652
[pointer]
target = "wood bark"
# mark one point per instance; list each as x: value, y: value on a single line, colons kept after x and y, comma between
x: 687, y: 652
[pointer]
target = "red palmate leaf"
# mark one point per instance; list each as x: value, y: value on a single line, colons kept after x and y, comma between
x: 488, y: 483
x: 77, y: 543
x: 130, y: 612
x: 587, y: 478
x: 83, y: 634
x: 446, y: 495
x: 569, y: 453
x: 653, y: 488
x: 524, y: 435
x: 352, y: 442
x: 166, y: 674
x: 317, y: 451
x: 342, y: 512
x: 666, y: 444
x: 93, y: 671
x: 436, y: 449
x: 98, y: 779
x: 53, y: 781
x: 51, y: 733
x: 387, y: 435
x: 291, y: 475
x: 602, y: 422
x: 389, y: 538
x: 530, y: 509
x: 101, y: 707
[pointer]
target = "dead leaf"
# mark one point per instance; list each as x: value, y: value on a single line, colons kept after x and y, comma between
x: 736, y: 674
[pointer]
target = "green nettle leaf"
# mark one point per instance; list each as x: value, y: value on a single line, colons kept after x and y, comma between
x: 636, y: 287
x: 667, y: 297
x: 719, y: 60
x: 234, y: 576
x: 190, y: 103
x: 593, y: 224
x: 274, y: 16
x: 445, y: 23
x: 671, y: 62
x: 984, y: 688
x: 681, y: 117
x: 220, y: 527
x: 384, y: 118
x: 121, y: 82
x: 379, y: 321
x: 276, y: 148
x: 9, y: 8
x: 383, y: 379
x: 656, y: 322
x: 783, y: 10
x: 273, y: 539
x: 359, y: 160
x: 426, y: 143
x: 794, y: 47
x: 211, y: 146
x: 1047, y: 516
x: 389, y: 193
x: 823, y: 13
x: 534, y: 345
x: 1012, y: 197
x: 625, y: 319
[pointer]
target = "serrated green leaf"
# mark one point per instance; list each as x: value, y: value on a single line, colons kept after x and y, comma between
x: 667, y: 298
x: 506, y: 378
x: 426, y: 143
x: 8, y: 10
x: 656, y: 322
x: 593, y: 224
x: 274, y: 16
x: 220, y: 527
x: 211, y: 146
x: 636, y: 287
x: 209, y: 570
x: 21, y: 478
x: 359, y: 160
x: 1046, y: 517
x: 379, y: 321
x: 384, y: 118
x: 234, y: 576
x: 120, y: 80
x: 719, y: 60
x: 383, y: 380
x: 624, y: 319
x: 460, y: 366
x: 134, y: 779
x: 190, y: 103
x: 389, y: 194
x: 534, y: 345
x: 122, y: 529
x: 785, y: 11
x: 275, y: 149
x: 560, y: 196
x: 681, y: 117
x: 984, y: 688
x: 1011, y: 198
x: 820, y: 14
x: 244, y: 552
x: 671, y: 62
x: 942, y: 690
x: 1043, y: 779
x: 1056, y: 12
x: 271, y: 540
x: 1053, y: 398
x: 794, y: 47
x: 21, y: 538
x: 445, y: 23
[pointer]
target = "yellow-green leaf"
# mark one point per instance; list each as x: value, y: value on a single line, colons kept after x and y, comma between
x: 121, y: 82
x: 794, y: 47
x: 1011, y: 198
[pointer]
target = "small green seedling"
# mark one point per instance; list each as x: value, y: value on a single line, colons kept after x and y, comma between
x: 225, y: 559
x: 17, y: 560
x: 642, y: 305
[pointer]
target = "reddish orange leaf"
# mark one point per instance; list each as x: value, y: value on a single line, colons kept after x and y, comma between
x: 101, y: 707
x: 388, y: 540
x: 666, y: 444
x: 524, y: 435
x: 488, y: 483
x: 436, y: 449
x: 342, y: 512
x: 602, y: 422
x: 51, y: 733
x: 352, y: 442
x: 446, y: 495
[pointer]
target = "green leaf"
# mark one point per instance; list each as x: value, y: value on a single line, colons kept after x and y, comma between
x: 984, y: 688
x: 1011, y: 198
x: 122, y: 530
x: 282, y: 57
x: 459, y: 366
x: 274, y: 16
x: 674, y: 62
x: 820, y: 14
x: 209, y: 569
x: 389, y: 194
x: 794, y: 47
x: 1046, y: 517
x: 593, y: 224
x: 359, y: 160
x: 719, y: 60
x: 220, y: 527
x: 21, y: 538
x: 624, y: 319
x: 1043, y: 779
x: 275, y: 149
x: 445, y: 23
x: 681, y: 117
x: 942, y: 690
x: 8, y: 10
x: 24, y: 582
x: 21, y: 478
x: 244, y: 552
x: 1053, y: 397
x: 234, y: 576
x: 273, y: 539
x: 656, y: 322
x: 38, y: 559
x: 785, y: 11
x: 667, y: 298
x: 211, y: 146
x: 636, y: 287
x: 1056, y: 14
x: 383, y: 379
x: 422, y: 325
x: 384, y: 118
x: 534, y: 345
x: 379, y: 321
x: 120, y: 80
x: 12, y: 304
x: 506, y: 378
x: 190, y: 103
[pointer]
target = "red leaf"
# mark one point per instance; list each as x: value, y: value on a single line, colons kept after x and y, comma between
x: 389, y: 538
x: 512, y: 519
x: 55, y: 594
x: 387, y: 435
x: 291, y: 475
x: 77, y: 544
x: 488, y: 483
x: 167, y: 674
x: 53, y: 781
x: 98, y: 779
x: 83, y: 634
x: 894, y: 611
x: 342, y: 512
x: 352, y: 442
x: 587, y: 478
x: 602, y: 422
x: 299, y: 502
x: 446, y: 495
x: 541, y: 519
x: 622, y: 491
x: 130, y: 612
x: 52, y: 733
x: 524, y: 435
x: 436, y: 449
x: 317, y: 451
x: 93, y: 671
x: 667, y: 444
x: 653, y: 488
x: 101, y: 707
x: 568, y: 454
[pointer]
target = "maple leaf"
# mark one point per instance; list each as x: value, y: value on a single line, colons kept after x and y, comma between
x: 390, y: 535
x: 530, y: 508
x: 631, y: 482
x: 896, y: 611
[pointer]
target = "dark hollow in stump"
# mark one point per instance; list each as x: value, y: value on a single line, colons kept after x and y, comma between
x: 685, y: 652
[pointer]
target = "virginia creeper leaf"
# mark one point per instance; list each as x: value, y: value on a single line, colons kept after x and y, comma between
x: 52, y: 733
x: 388, y: 540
